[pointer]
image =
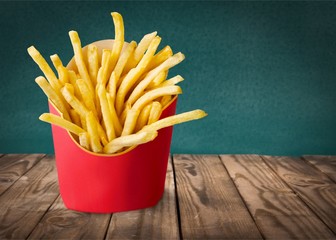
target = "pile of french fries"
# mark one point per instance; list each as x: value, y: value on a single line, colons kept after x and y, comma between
x: 113, y: 98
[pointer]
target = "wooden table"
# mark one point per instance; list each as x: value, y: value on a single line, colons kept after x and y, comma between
x: 206, y: 197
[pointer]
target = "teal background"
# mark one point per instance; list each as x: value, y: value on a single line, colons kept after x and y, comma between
x: 264, y: 71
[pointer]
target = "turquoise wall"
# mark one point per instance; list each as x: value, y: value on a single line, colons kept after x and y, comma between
x: 264, y: 71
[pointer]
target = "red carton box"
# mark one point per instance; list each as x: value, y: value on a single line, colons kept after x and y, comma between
x: 99, y: 183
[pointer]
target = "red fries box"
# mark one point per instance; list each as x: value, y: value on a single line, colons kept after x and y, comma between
x: 100, y: 183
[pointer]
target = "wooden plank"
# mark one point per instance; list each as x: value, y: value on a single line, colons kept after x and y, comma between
x: 315, y: 188
x: 209, y: 203
x: 277, y: 210
x: 23, y: 205
x: 13, y: 166
x: 61, y: 223
x: 326, y: 164
x: 158, y: 222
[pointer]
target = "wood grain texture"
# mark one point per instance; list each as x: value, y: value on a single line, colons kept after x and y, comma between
x: 13, y: 166
x: 23, y: 205
x: 314, y: 187
x: 158, y: 222
x: 277, y: 210
x: 326, y: 164
x: 61, y: 223
x: 206, y: 197
x: 209, y: 203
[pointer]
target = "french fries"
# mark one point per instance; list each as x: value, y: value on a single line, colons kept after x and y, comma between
x: 143, y: 117
x: 130, y: 140
x: 113, y: 97
x: 176, y: 119
x: 155, y: 112
x: 92, y: 130
x: 53, y: 96
x: 44, y: 66
x: 79, y: 59
x: 139, y: 89
x: 61, y: 122
x: 135, y: 73
x: 106, y: 112
x: 119, y: 39
x: 93, y: 62
x: 139, y: 51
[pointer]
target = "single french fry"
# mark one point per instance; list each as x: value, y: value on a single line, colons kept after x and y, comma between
x: 59, y: 121
x: 155, y: 93
x: 172, y: 81
x: 155, y: 112
x: 93, y: 63
x: 134, y: 74
x: 97, y: 102
x: 112, y: 86
x: 53, y: 96
x: 125, y: 55
x: 118, y: 39
x: 159, y: 58
x: 45, y: 68
x: 70, y: 88
x: 57, y: 62
x: 170, y: 62
x: 75, y: 118
x: 79, y: 59
x: 143, y: 117
x: 158, y: 80
x: 83, y: 121
x: 122, y: 116
x: 72, y: 80
x: 107, y: 116
x: 63, y: 75
x: 139, y: 51
x: 116, y: 123
x: 130, y: 121
x: 133, y: 113
x: 122, y: 90
x: 84, y: 140
x: 87, y: 96
x: 103, y: 74
x: 165, y: 100
x: 129, y: 140
x: 93, y: 133
x: 176, y: 119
